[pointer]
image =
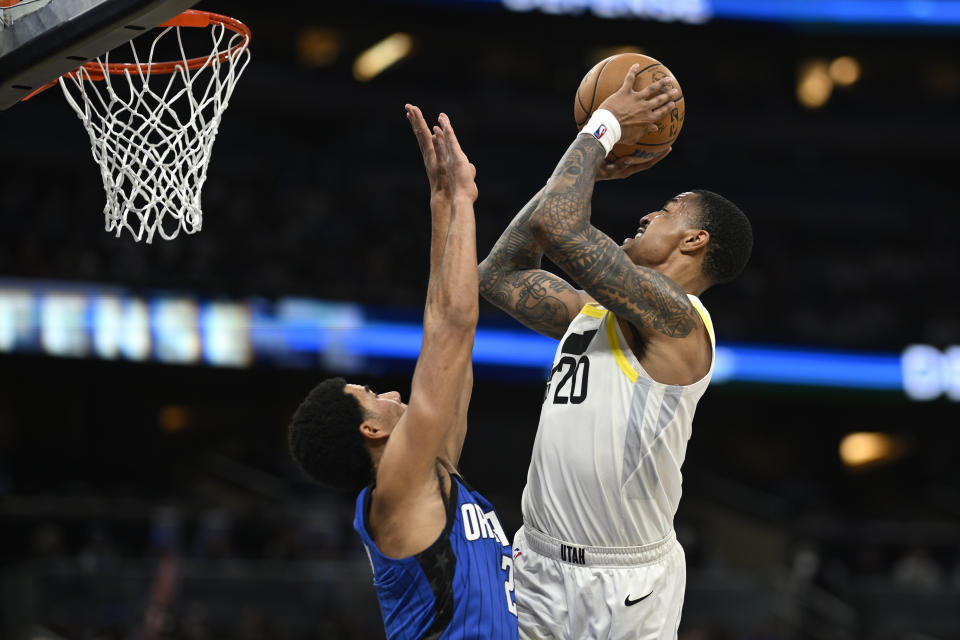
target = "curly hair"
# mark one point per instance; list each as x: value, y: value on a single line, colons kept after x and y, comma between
x: 325, y: 440
x: 731, y: 236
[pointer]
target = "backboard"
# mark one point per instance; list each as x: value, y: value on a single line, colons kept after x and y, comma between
x: 41, y: 40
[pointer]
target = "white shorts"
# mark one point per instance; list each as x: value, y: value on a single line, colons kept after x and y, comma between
x: 590, y: 593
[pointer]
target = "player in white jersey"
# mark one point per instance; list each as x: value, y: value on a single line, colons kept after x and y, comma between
x: 597, y: 556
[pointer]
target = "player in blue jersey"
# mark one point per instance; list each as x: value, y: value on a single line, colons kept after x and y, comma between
x: 442, y: 564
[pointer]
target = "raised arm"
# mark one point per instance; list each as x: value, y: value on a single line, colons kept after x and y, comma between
x: 561, y: 225
x: 511, y: 279
x: 407, y: 468
x: 440, y: 212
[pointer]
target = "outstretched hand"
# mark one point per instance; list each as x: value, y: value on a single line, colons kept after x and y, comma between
x: 638, y: 111
x: 625, y: 167
x: 460, y: 173
x: 436, y: 171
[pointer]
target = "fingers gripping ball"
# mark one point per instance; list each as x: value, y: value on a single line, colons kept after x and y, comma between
x: 605, y: 78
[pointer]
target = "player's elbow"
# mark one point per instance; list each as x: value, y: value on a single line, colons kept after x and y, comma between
x: 486, y: 274
x: 463, y: 315
x: 457, y: 314
x: 454, y: 330
x: 541, y: 231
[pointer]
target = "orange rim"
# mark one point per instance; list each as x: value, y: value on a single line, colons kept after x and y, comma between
x: 189, y: 18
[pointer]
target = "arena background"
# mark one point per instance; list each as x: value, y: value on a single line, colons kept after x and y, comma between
x: 143, y: 499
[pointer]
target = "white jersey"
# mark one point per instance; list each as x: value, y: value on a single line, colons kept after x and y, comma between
x: 605, y: 469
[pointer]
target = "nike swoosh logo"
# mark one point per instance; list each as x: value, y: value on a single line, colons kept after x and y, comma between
x: 628, y: 602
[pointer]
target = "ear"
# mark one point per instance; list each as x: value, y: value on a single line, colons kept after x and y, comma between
x: 372, y: 431
x: 695, y: 240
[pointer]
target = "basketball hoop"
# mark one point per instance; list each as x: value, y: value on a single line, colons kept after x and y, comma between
x: 153, y: 145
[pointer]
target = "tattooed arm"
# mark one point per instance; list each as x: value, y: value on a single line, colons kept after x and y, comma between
x: 561, y: 225
x: 645, y: 298
x: 511, y: 279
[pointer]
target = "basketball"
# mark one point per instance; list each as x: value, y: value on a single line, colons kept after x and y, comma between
x: 605, y: 78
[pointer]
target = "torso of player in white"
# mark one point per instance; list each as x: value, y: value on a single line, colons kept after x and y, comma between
x: 605, y: 468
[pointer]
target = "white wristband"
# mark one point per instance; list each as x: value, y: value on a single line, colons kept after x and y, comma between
x: 604, y: 127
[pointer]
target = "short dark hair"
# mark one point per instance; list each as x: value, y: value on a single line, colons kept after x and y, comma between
x: 731, y: 236
x: 325, y: 439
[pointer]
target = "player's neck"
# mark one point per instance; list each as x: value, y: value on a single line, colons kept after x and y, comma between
x: 688, y: 277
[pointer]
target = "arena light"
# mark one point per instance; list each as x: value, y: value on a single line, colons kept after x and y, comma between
x: 136, y: 341
x: 862, y: 449
x: 63, y: 329
x: 922, y: 12
x: 225, y: 332
x: 691, y: 11
x: 174, y: 325
x: 881, y: 12
x: 844, y: 71
x: 318, y: 46
x: 802, y: 367
x: 929, y: 373
x: 814, y: 84
x: 90, y: 320
x: 382, y: 56
x: 173, y: 418
x: 17, y: 311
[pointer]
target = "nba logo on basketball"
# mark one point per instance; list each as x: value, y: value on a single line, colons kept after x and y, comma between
x: 602, y: 129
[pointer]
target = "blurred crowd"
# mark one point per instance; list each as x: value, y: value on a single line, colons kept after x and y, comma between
x: 192, y: 574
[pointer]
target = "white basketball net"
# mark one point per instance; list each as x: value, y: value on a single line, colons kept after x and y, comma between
x: 153, y: 144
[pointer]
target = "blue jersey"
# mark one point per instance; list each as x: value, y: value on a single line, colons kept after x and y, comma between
x: 459, y: 588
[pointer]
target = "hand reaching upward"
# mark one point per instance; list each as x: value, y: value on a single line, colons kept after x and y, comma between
x: 436, y: 171
x: 461, y: 175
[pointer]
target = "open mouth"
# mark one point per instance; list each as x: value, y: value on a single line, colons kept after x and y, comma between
x: 635, y: 237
